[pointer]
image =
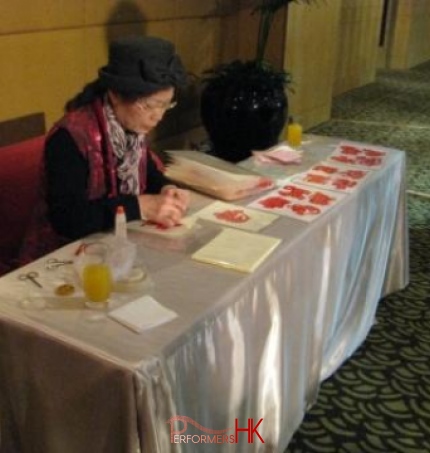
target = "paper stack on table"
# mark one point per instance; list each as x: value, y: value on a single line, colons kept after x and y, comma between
x: 280, y: 154
x: 213, y: 176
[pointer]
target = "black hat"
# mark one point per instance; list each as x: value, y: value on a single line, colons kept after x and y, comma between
x: 142, y: 65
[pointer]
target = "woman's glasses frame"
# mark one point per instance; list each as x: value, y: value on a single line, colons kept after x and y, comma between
x: 153, y: 104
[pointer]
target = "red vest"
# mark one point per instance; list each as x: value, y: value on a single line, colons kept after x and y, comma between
x: 88, y: 128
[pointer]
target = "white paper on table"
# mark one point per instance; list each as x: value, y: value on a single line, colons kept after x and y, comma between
x: 236, y: 249
x: 359, y: 155
x: 298, y: 201
x: 143, y: 313
x: 177, y: 231
x: 236, y: 216
x: 331, y: 176
x: 331, y: 168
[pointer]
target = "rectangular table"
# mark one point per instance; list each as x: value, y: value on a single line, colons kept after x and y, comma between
x: 243, y: 348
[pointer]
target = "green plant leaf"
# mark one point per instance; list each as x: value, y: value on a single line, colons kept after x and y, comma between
x: 235, y: 72
x: 267, y: 10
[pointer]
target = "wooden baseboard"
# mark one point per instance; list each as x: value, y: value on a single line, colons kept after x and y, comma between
x: 23, y: 128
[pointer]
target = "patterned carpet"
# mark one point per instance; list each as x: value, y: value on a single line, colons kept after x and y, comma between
x: 379, y: 400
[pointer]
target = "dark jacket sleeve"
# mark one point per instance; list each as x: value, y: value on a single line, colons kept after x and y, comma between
x: 69, y: 210
x: 155, y: 178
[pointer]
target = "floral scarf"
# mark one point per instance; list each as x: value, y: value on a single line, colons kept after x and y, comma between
x: 127, y: 147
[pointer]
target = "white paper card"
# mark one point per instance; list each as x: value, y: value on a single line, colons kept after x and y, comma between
x: 359, y: 155
x: 236, y: 216
x: 177, y: 231
x: 298, y: 201
x: 331, y: 176
x: 143, y: 313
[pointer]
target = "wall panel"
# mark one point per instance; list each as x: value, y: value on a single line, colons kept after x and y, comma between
x: 51, y: 48
x: 43, y: 69
x: 310, y: 58
x: 25, y: 15
x: 357, y: 48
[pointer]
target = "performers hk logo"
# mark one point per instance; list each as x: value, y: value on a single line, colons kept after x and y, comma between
x: 212, y: 436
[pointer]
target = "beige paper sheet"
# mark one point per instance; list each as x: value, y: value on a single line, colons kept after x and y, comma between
x: 239, y: 250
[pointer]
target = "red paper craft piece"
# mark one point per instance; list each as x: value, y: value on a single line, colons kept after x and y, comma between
x: 344, y: 159
x: 302, y: 209
x: 350, y: 150
x: 343, y: 184
x: 354, y: 174
x: 232, y: 215
x: 80, y: 249
x: 294, y: 192
x: 373, y: 153
x: 265, y: 183
x: 321, y: 199
x: 325, y: 169
x: 159, y: 226
x: 274, y: 202
x: 316, y: 179
x: 369, y: 161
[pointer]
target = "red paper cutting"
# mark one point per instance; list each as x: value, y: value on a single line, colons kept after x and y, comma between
x: 316, y: 179
x: 302, y: 209
x: 350, y: 150
x: 321, y: 199
x: 274, y: 202
x: 232, y: 215
x: 325, y: 169
x: 373, y: 153
x: 343, y: 184
x: 294, y: 192
x: 354, y: 174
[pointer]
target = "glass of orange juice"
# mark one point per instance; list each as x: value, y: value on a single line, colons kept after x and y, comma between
x: 294, y: 134
x: 96, y: 274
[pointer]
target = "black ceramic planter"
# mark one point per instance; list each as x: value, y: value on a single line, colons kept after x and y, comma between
x: 243, y: 116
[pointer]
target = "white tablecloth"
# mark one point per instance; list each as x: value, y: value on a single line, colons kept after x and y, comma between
x: 243, y: 346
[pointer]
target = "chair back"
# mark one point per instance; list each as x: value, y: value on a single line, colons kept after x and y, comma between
x: 20, y: 179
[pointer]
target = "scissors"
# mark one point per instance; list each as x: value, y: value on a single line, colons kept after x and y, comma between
x: 54, y: 263
x: 32, y: 277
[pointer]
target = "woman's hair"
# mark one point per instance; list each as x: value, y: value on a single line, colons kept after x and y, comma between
x: 95, y: 90
x: 89, y: 93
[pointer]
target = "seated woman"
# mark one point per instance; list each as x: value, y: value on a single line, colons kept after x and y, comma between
x: 97, y: 155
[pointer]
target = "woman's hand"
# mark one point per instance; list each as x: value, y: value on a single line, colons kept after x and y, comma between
x: 183, y: 196
x: 166, y: 208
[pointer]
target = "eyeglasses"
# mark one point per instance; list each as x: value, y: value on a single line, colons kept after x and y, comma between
x: 153, y: 104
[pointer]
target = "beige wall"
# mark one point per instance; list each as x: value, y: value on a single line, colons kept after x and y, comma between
x: 50, y: 48
x: 358, y: 38
x: 410, y: 33
x: 310, y: 57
